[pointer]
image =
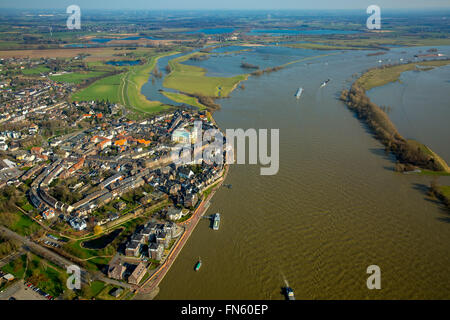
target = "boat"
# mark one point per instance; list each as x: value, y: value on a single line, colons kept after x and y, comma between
x: 289, y: 293
x: 216, y: 221
x: 299, y: 93
x: 198, y: 264
x: 324, y: 83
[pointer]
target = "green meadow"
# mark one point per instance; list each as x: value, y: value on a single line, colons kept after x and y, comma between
x: 125, y: 88
x: 192, y: 79
x: 377, y: 77
x: 107, y: 89
x: 36, y: 70
x: 76, y: 77
x: 182, y: 98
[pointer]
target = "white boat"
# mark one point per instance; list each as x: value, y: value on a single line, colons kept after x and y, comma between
x: 299, y: 93
x: 216, y: 223
x: 324, y: 83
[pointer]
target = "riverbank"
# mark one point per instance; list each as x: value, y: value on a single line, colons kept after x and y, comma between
x: 409, y: 153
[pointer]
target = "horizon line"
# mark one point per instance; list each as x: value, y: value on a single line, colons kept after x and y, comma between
x: 237, y: 9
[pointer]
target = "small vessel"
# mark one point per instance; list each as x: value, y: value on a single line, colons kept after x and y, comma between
x: 324, y: 83
x: 299, y: 93
x: 198, y: 264
x: 289, y: 293
x: 216, y: 223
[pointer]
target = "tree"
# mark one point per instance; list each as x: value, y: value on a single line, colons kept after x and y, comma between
x: 98, y: 229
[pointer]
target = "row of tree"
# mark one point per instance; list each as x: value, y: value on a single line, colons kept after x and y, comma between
x: 267, y: 70
x: 407, y: 152
x: 7, y: 246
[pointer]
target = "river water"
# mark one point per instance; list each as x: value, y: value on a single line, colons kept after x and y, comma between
x: 334, y: 208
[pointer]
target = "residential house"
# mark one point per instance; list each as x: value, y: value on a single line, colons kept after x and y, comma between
x: 155, y: 251
x: 116, y: 270
x: 137, y: 274
x: 133, y: 249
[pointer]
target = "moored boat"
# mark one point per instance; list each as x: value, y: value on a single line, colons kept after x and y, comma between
x: 289, y: 293
x: 216, y: 223
x: 198, y: 265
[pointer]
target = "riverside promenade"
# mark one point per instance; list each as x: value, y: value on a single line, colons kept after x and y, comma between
x: 150, y: 288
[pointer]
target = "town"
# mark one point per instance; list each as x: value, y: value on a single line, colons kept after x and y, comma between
x: 92, y: 181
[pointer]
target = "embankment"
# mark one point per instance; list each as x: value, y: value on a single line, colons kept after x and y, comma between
x: 410, y: 154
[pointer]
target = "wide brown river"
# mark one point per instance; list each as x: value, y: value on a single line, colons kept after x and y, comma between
x: 334, y: 208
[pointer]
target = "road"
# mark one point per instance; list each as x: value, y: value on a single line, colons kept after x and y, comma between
x: 59, y: 260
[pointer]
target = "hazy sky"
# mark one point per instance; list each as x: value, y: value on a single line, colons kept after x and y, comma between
x: 225, y: 4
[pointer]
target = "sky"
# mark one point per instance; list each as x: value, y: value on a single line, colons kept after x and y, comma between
x: 225, y: 4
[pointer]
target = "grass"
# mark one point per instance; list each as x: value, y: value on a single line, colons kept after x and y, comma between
x: 133, y: 82
x: 208, y: 190
x: 27, y: 206
x: 441, y: 162
x: 36, y: 70
x: 434, y: 173
x: 106, y: 89
x: 125, y: 88
x: 46, y: 276
x: 445, y: 190
x: 96, y: 287
x: 182, y: 98
x: 24, y: 225
x: 16, y: 267
x: 39, y: 272
x: 76, y: 77
x: 75, y: 248
x: 104, y: 294
x: 192, y: 79
x: 381, y: 76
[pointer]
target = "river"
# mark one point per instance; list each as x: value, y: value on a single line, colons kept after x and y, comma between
x: 334, y: 208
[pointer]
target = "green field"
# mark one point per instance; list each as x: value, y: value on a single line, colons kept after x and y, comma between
x: 16, y: 267
x: 36, y: 70
x: 125, y: 88
x: 104, y: 294
x: 192, y: 79
x: 380, y: 76
x: 49, y: 278
x: 182, y: 98
x: 39, y: 272
x: 76, y: 77
x: 107, y: 89
x: 23, y: 225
